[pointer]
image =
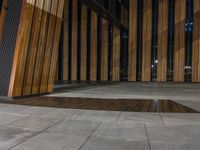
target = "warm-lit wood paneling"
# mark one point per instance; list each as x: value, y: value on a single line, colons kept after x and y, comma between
x: 35, y: 58
x: 65, y: 56
x: 146, y: 40
x: 54, y: 53
x: 162, y: 40
x: 41, y: 47
x: 49, y: 47
x: 179, y: 40
x: 83, y: 65
x: 74, y: 40
x: 116, y: 55
x: 32, y: 49
x: 20, y: 55
x: 93, y: 47
x: 104, y: 51
x: 132, y: 40
x: 196, y: 43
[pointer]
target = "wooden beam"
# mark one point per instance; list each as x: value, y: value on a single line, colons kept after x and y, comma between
x: 179, y: 40
x: 93, y: 47
x: 83, y: 75
x: 104, y: 50
x: 196, y: 43
x: 146, y: 40
x: 116, y: 54
x: 162, y: 40
x: 132, y: 40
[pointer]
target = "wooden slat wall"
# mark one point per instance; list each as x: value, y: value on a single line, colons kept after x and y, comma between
x: 179, y: 40
x: 132, y: 40
x: 74, y: 40
x: 35, y: 57
x: 162, y: 40
x: 65, y: 59
x: 146, y: 40
x: 83, y: 74
x: 93, y: 47
x: 196, y: 43
x: 116, y: 55
x: 104, y: 51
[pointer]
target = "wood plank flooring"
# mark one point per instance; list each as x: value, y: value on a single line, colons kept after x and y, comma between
x: 130, y: 105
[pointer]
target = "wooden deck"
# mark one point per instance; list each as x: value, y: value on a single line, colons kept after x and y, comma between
x: 131, y: 105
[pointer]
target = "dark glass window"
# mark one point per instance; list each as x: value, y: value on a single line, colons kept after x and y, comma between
x: 154, y: 60
x: 170, y: 52
x: 188, y: 40
x: 139, y: 39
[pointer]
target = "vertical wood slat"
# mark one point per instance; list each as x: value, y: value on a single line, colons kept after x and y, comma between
x: 54, y: 56
x: 20, y: 55
x: 49, y: 46
x: 179, y: 43
x: 74, y: 40
x: 132, y: 40
x: 65, y: 62
x: 93, y: 47
x: 41, y: 47
x: 116, y: 55
x: 104, y: 50
x: 32, y: 49
x: 162, y: 40
x: 146, y: 40
x: 196, y: 43
x: 83, y: 67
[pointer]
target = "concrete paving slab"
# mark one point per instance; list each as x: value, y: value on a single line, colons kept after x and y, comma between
x: 172, y: 133
x: 11, y: 136
x: 6, y: 118
x: 34, y: 123
x: 63, y: 113
x: 140, y: 117
x: 181, y: 118
x: 125, y: 131
x: 76, y: 127
x: 109, y: 143
x: 52, y: 140
x: 103, y: 116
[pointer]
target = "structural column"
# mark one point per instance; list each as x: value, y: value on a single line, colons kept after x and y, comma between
x: 116, y: 55
x: 179, y: 40
x: 146, y: 40
x: 132, y: 40
x: 196, y: 43
x: 162, y: 40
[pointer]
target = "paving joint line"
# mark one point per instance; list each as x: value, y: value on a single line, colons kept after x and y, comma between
x: 90, y: 136
x: 147, y: 137
x: 34, y: 135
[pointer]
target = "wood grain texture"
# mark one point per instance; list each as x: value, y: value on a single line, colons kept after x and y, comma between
x: 196, y: 43
x: 146, y: 40
x: 35, y: 58
x: 132, y: 40
x: 41, y: 48
x: 20, y: 55
x: 93, y: 47
x: 32, y: 49
x: 65, y: 53
x: 179, y: 40
x: 162, y: 40
x: 54, y: 54
x: 116, y: 54
x: 83, y: 67
x: 48, y: 48
x: 104, y: 50
x: 74, y: 40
